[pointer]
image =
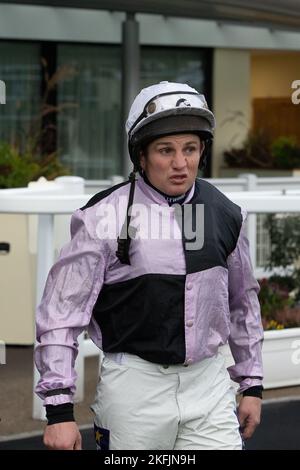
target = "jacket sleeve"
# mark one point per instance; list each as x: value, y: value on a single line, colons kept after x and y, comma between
x: 246, y: 331
x: 71, y: 290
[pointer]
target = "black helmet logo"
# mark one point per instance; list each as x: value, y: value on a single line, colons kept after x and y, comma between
x: 182, y: 102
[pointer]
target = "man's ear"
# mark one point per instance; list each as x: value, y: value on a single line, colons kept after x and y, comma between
x: 202, y: 160
x: 202, y: 147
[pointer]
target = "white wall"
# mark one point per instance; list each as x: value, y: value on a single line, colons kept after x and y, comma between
x: 267, y: 78
x: 231, y: 101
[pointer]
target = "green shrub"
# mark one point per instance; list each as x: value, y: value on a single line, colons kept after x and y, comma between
x: 15, y: 171
x: 18, y: 170
x: 286, y: 153
x: 284, y: 233
x: 280, y: 294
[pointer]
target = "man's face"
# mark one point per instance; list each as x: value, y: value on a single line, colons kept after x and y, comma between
x: 171, y: 164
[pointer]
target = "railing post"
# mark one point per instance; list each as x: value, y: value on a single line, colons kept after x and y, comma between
x: 45, y: 259
x: 79, y: 368
x: 251, y: 185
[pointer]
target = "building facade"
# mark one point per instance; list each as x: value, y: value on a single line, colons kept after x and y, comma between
x: 82, y: 51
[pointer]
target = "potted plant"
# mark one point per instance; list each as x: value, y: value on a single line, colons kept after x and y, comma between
x: 32, y: 154
x: 263, y: 156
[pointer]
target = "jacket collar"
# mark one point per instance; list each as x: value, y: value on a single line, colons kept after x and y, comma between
x: 156, y: 196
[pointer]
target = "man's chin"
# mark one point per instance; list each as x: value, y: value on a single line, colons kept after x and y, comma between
x: 176, y: 188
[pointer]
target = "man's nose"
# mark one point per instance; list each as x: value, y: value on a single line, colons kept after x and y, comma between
x: 179, y: 160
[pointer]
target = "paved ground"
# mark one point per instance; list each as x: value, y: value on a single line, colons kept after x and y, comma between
x: 16, y: 392
x: 280, y: 427
x: 279, y: 430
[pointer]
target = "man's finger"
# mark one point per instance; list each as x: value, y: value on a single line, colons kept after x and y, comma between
x: 78, y: 442
x: 248, y: 430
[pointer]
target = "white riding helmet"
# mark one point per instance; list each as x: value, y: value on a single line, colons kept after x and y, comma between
x: 163, y: 109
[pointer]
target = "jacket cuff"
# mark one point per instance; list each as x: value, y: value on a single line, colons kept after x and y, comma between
x: 246, y: 383
x: 58, y: 396
x: 60, y: 413
x: 255, y: 391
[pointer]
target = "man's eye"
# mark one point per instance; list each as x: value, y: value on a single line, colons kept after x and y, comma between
x: 190, y: 149
x: 165, y: 150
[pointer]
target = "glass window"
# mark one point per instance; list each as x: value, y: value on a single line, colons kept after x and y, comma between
x: 182, y: 65
x: 21, y: 71
x: 175, y: 65
x: 89, y: 132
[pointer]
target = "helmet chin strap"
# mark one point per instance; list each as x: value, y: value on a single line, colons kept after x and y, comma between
x: 124, y: 239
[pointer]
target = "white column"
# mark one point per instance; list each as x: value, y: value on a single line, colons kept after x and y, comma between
x: 79, y: 368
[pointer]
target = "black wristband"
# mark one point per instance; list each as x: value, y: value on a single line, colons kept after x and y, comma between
x: 255, y: 391
x: 58, y: 391
x: 60, y: 413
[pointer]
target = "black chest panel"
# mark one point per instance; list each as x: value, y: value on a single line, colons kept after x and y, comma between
x: 145, y: 315
x: 211, y: 230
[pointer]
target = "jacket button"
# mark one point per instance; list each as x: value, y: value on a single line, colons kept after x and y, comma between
x: 165, y: 366
x: 189, y: 323
x: 189, y: 286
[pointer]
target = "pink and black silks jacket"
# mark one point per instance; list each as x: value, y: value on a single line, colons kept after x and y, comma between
x: 171, y: 305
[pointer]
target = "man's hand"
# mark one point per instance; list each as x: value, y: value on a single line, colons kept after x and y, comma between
x: 62, y: 436
x: 249, y: 411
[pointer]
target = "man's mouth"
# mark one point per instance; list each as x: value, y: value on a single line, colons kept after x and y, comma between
x: 178, y: 178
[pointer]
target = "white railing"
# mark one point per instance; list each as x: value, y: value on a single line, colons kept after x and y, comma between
x: 251, y: 182
x: 67, y: 197
x: 257, y: 234
x: 244, y: 182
